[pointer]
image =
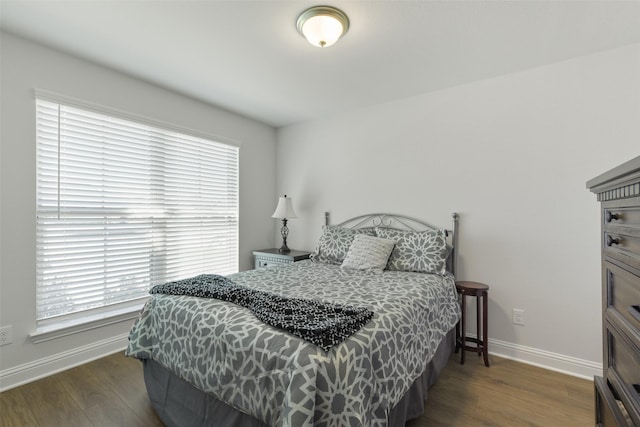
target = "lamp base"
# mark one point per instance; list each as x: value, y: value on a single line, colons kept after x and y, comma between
x: 284, y: 249
x: 284, y: 231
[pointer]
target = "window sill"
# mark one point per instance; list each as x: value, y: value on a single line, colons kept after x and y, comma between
x: 87, y: 323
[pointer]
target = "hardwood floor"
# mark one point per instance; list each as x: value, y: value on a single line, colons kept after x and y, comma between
x: 111, y: 392
x: 105, y: 392
x: 506, y: 394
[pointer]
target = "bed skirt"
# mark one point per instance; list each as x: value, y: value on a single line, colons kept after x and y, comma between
x: 179, y: 404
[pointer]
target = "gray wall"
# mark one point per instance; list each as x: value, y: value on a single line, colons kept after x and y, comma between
x: 511, y: 155
x: 26, y: 66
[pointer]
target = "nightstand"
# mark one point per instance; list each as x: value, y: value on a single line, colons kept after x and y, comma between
x: 273, y: 257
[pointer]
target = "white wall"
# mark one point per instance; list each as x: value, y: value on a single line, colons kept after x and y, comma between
x: 511, y: 155
x: 25, y: 66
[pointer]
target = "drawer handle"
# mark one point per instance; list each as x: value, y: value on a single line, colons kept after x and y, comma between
x: 611, y: 241
x: 634, y: 310
x: 611, y: 216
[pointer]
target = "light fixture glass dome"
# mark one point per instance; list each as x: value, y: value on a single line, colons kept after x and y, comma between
x: 322, y: 26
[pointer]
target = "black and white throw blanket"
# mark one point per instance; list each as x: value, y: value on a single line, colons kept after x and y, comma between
x: 323, y: 324
x: 283, y: 380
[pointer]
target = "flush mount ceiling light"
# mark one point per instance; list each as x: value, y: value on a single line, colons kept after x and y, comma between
x: 322, y: 25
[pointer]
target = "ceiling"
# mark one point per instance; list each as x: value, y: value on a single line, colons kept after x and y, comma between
x: 247, y: 56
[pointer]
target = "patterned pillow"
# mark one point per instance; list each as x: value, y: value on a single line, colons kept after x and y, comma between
x: 420, y: 251
x: 334, y: 243
x: 368, y: 253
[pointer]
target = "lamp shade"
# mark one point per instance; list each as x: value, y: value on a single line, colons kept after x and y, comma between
x: 284, y: 208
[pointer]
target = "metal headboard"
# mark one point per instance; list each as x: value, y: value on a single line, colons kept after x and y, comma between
x: 402, y: 222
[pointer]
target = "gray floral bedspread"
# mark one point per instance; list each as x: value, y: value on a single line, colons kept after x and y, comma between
x: 283, y: 380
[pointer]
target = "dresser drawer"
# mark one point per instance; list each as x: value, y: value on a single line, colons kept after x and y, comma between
x: 623, y: 294
x: 624, y: 368
x: 609, y: 411
x: 623, y: 245
x: 621, y: 216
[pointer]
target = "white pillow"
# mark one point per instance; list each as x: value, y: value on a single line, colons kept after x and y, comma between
x: 368, y: 253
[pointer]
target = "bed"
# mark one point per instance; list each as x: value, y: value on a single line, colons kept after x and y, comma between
x: 212, y: 362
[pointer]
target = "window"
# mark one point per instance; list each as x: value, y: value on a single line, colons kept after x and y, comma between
x: 123, y: 205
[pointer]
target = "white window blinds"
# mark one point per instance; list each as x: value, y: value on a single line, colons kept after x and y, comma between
x: 122, y: 206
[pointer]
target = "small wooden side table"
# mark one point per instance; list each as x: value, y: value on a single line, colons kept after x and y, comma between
x: 480, y: 291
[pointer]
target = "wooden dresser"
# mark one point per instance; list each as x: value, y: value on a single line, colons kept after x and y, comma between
x: 618, y: 390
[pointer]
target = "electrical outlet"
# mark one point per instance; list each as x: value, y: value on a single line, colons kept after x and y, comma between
x: 6, y: 335
x: 518, y: 316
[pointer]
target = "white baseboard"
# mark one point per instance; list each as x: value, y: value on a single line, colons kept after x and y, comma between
x: 31, y: 371
x: 545, y: 359
x: 28, y: 372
